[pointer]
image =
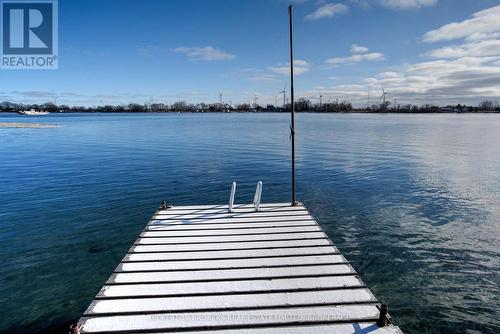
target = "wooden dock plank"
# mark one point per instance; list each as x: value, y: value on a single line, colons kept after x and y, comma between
x: 225, y: 206
x: 247, y: 209
x: 227, y: 319
x: 230, y: 287
x: 201, y: 269
x: 226, y: 302
x: 354, y: 328
x: 230, y: 263
x: 230, y: 238
x: 202, y: 221
x: 219, y: 232
x: 231, y: 245
x: 201, y: 215
x: 227, y: 226
x: 229, y: 274
x: 231, y: 254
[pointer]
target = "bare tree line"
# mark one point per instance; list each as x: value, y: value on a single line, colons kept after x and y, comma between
x: 302, y: 105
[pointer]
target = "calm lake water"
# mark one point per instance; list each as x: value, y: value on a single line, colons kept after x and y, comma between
x: 413, y: 201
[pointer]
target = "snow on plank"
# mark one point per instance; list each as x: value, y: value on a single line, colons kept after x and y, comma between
x: 255, y: 230
x: 230, y: 263
x: 229, y: 274
x: 230, y: 287
x: 227, y: 319
x: 230, y: 245
x: 202, y: 268
x: 230, y: 238
x: 231, y: 254
x: 222, y: 302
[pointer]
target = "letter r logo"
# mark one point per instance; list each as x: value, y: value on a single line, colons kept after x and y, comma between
x: 27, y: 28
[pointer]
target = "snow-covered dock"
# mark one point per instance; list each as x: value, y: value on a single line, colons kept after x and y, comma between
x: 203, y: 269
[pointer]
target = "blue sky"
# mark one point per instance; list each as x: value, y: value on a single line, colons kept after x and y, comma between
x: 421, y: 51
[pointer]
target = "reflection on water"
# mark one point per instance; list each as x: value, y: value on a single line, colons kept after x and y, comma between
x: 413, y: 201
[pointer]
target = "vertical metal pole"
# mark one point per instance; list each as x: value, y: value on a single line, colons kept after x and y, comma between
x: 292, y: 125
x: 231, y: 197
x: 258, y: 195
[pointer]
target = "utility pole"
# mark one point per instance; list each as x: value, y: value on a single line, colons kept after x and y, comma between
x: 292, y: 125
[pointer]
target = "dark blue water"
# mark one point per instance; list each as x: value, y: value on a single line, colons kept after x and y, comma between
x: 413, y: 201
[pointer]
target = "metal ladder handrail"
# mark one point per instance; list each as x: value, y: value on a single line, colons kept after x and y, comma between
x: 257, y: 196
x: 231, y: 197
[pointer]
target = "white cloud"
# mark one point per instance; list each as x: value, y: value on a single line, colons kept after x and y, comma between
x: 298, y: 62
x: 395, y: 4
x: 480, y: 36
x: 481, y: 45
x: 299, y: 67
x: 359, y: 49
x: 481, y: 25
x: 327, y: 10
x: 407, y: 4
x: 374, y: 56
x: 463, y: 80
x: 207, y: 53
x: 464, y: 72
x: 467, y: 73
x: 487, y: 48
x: 441, y: 66
x: 388, y: 75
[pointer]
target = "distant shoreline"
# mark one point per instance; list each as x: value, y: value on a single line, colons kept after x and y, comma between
x: 263, y: 112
